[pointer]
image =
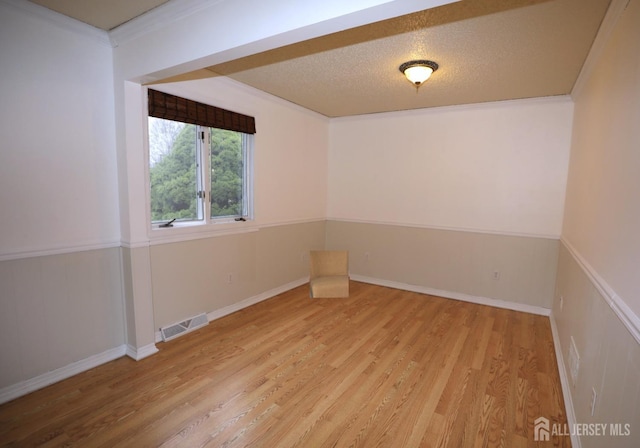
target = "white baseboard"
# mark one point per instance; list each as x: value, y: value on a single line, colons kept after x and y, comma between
x: 25, y: 387
x: 455, y: 295
x: 217, y: 314
x: 142, y: 352
x: 565, y: 383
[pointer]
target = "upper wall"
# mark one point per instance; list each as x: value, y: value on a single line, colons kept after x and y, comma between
x: 184, y: 36
x: 175, y: 39
x: 290, y: 148
x: 497, y: 167
x: 57, y: 155
x: 602, y: 215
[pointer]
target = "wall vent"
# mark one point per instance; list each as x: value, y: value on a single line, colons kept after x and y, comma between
x: 178, y: 329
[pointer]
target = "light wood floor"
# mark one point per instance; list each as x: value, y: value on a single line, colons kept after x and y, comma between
x: 383, y: 368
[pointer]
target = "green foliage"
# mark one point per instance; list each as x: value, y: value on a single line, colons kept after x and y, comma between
x: 226, y: 173
x: 173, y: 178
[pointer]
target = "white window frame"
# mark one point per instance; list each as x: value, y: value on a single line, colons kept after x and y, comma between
x: 203, y: 182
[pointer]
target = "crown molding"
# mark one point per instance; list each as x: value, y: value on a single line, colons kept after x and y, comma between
x: 553, y: 99
x: 60, y: 20
x: 159, y: 17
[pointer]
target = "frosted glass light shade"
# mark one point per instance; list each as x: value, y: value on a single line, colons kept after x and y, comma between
x: 418, y: 74
x: 418, y: 71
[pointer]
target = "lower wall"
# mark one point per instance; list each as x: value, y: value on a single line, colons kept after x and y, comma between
x: 216, y: 273
x: 609, y: 355
x: 63, y: 314
x: 58, y: 309
x: 451, y: 261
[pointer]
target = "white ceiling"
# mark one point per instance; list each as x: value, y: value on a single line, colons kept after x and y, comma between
x: 488, y: 50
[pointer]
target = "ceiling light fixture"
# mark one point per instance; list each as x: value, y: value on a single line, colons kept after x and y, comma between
x: 418, y: 71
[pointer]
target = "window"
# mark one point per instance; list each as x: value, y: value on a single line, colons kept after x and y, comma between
x: 200, y: 167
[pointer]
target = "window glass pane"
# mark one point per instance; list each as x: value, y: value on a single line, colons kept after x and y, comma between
x: 227, y: 173
x: 172, y: 169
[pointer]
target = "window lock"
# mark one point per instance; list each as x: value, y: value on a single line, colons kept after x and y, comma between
x: 168, y: 224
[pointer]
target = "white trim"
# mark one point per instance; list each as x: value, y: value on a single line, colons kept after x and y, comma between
x: 630, y: 320
x: 217, y: 314
x: 60, y: 20
x: 564, y: 383
x: 611, y: 18
x: 458, y: 108
x: 179, y: 234
x: 25, y: 387
x: 292, y: 222
x: 523, y: 307
x: 174, y: 11
x: 59, y: 250
x: 142, y: 352
x: 157, y: 18
x: 31, y: 252
x: 448, y: 228
x: 262, y: 95
x: 188, y: 233
x: 134, y: 244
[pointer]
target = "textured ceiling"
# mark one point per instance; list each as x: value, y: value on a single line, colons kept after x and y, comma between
x: 103, y: 14
x: 488, y: 50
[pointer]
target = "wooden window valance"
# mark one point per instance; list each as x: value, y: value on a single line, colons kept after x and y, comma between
x: 171, y: 107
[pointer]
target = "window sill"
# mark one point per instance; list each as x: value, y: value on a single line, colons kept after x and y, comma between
x: 187, y: 231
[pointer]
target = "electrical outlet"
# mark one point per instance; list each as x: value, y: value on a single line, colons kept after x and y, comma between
x: 594, y: 396
x: 229, y: 278
x: 561, y: 302
x: 496, y: 275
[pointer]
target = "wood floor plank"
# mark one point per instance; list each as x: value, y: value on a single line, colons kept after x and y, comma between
x: 383, y: 367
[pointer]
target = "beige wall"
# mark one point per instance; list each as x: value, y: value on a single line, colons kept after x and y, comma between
x: 498, y: 170
x: 139, y: 312
x: 598, y: 279
x: 496, y: 167
x: 602, y: 216
x: 58, y: 309
x: 190, y: 266
x: 192, y: 277
x: 451, y: 261
x: 443, y: 198
x: 60, y: 271
x: 609, y: 355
